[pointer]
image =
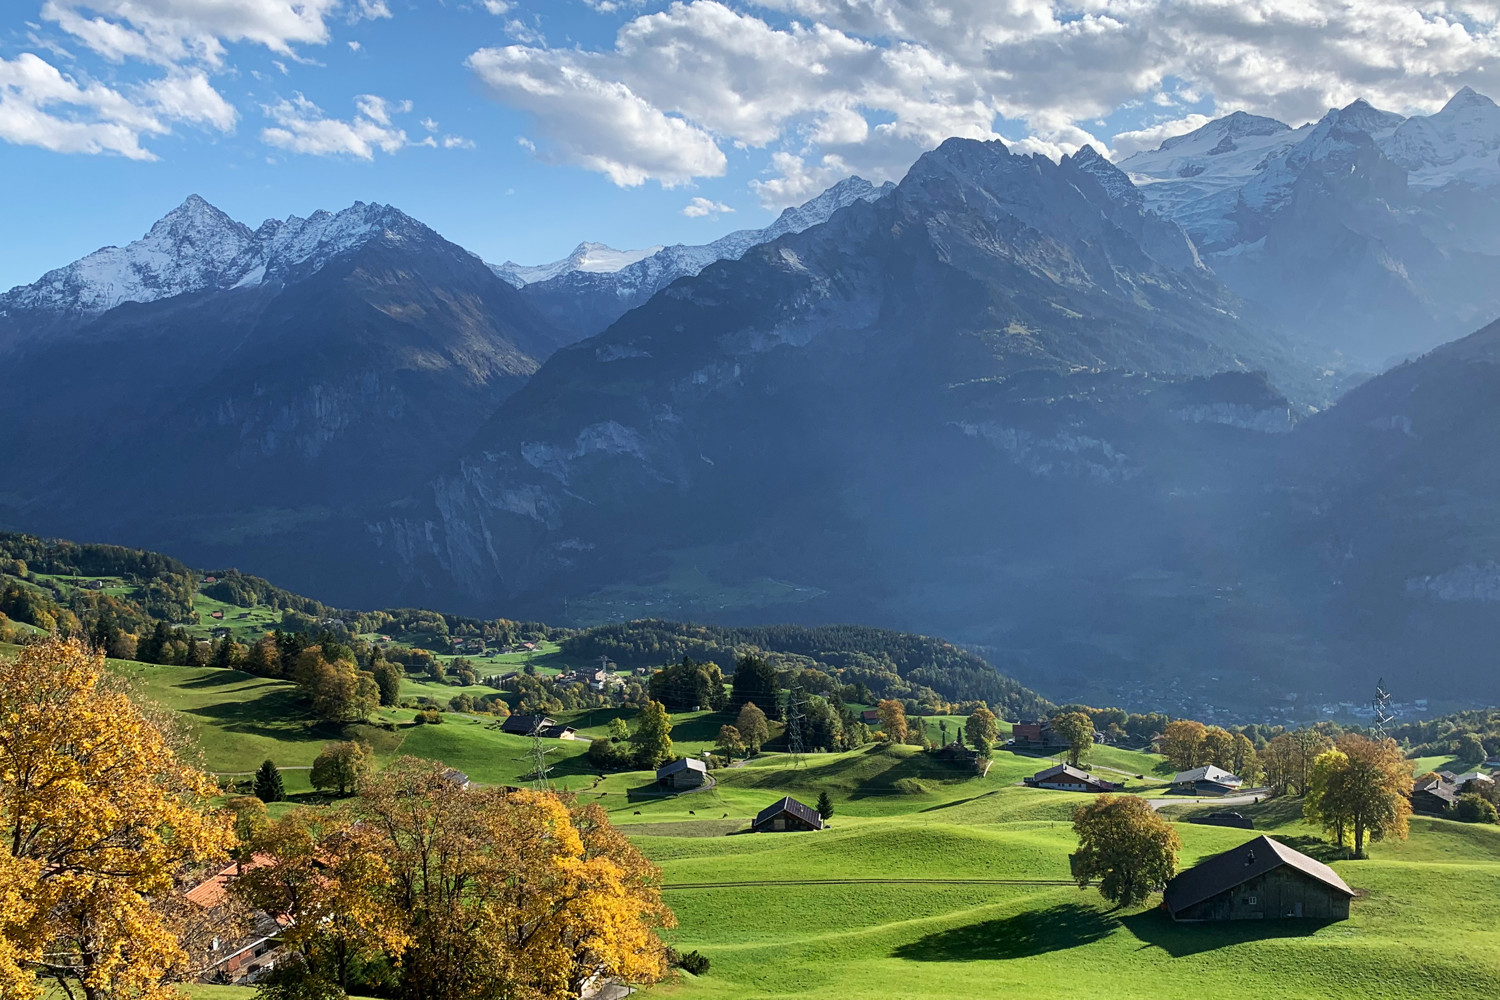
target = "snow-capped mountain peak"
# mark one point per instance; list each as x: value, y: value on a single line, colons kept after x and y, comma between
x: 1460, y: 142
x: 189, y: 248
x: 594, y: 258
x: 196, y: 247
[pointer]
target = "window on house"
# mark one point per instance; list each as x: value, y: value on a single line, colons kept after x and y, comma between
x: 1249, y: 900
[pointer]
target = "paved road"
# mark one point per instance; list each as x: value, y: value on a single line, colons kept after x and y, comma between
x: 1249, y: 798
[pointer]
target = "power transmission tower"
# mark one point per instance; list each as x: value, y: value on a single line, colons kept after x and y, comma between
x: 796, y: 721
x: 1383, y: 714
x: 537, y: 755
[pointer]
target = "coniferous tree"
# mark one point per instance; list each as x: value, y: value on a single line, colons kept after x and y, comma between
x: 268, y: 784
x: 825, y: 805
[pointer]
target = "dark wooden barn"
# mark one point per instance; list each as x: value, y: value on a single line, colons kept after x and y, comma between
x: 1261, y: 880
x: 788, y: 814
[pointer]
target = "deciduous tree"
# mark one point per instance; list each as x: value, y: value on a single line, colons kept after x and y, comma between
x: 1078, y: 729
x: 730, y: 743
x: 99, y: 818
x: 1182, y: 743
x: 340, y: 766
x: 1362, y: 787
x: 754, y: 729
x: 981, y: 727
x: 652, y: 739
x: 1126, y: 846
x: 893, y: 720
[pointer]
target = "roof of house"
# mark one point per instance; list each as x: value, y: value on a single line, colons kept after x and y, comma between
x: 526, y: 723
x: 1437, y: 786
x: 789, y: 805
x: 1249, y: 860
x: 1473, y: 776
x: 1207, y: 773
x: 1067, y: 771
x: 215, y: 890
x: 684, y: 764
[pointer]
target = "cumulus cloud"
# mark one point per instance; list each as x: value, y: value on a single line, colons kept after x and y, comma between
x: 302, y: 127
x: 700, y: 208
x: 41, y: 106
x: 866, y: 85
x: 598, y: 123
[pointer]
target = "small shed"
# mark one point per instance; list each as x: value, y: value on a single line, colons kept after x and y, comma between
x: 1066, y: 778
x: 1207, y: 780
x: 689, y: 772
x: 1259, y: 880
x: 788, y: 814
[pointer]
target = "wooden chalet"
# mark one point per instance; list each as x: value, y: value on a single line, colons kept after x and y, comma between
x: 689, y: 772
x: 788, y: 814
x: 1260, y: 880
x: 1067, y: 778
x: 1434, y: 794
x: 525, y: 725
x: 1207, y: 780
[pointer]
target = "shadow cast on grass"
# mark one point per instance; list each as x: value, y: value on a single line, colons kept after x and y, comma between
x: 1156, y: 929
x: 1059, y: 928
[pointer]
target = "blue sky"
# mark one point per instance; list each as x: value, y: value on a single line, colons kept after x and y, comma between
x: 519, y: 128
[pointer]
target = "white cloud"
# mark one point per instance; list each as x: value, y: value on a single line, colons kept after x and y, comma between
x: 430, y: 124
x: 597, y: 123
x: 700, y: 208
x: 176, y: 31
x: 41, y: 106
x: 497, y: 7
x: 369, y: 10
x: 354, y: 46
x: 866, y: 85
x: 189, y: 97
x: 1152, y: 136
x: 302, y: 127
x: 456, y: 142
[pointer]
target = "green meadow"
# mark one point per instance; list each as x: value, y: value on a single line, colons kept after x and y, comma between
x: 930, y: 881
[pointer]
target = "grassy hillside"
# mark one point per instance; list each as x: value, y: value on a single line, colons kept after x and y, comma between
x: 931, y: 881
x: 1434, y: 895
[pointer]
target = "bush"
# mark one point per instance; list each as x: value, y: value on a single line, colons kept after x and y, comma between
x: 1475, y: 808
x: 428, y: 717
x: 692, y: 962
x: 607, y: 756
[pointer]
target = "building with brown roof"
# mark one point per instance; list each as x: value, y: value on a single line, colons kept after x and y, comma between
x: 788, y: 814
x: 1260, y: 880
x: 1067, y: 778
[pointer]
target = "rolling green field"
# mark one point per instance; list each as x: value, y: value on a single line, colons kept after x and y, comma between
x: 931, y: 881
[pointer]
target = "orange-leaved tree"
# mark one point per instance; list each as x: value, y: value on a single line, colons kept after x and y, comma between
x: 100, y: 816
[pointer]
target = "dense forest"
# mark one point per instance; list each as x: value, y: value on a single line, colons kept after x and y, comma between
x: 879, y: 663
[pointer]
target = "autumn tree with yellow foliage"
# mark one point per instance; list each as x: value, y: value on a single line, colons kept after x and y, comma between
x: 100, y: 817
x: 468, y: 892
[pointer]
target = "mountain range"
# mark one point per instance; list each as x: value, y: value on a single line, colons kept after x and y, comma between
x: 1365, y: 232
x: 1094, y: 418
